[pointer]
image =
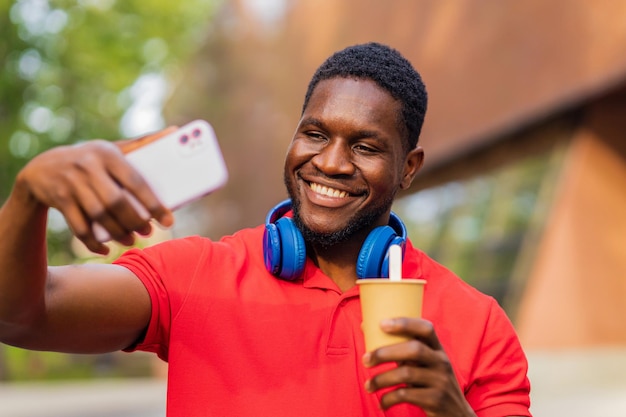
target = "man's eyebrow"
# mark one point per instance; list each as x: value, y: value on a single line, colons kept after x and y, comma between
x: 363, y: 133
x: 311, y: 121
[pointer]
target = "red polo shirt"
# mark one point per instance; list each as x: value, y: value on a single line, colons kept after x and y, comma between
x: 241, y: 342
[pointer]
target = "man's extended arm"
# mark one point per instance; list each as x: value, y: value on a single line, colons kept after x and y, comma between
x: 87, y: 308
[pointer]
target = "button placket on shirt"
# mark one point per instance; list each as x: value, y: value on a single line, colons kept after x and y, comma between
x: 342, y: 326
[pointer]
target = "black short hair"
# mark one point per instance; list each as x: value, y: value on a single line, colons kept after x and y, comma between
x: 387, y: 68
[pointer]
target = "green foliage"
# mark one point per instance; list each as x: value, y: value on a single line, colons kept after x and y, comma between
x: 68, y: 67
x: 476, y: 227
x: 25, y: 365
x: 68, y: 70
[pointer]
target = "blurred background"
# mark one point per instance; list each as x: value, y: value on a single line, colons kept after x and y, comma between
x: 523, y: 193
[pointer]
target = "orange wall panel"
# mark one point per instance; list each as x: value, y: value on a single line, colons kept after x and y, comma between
x: 576, y: 292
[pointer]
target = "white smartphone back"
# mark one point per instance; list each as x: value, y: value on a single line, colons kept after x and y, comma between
x: 182, y: 166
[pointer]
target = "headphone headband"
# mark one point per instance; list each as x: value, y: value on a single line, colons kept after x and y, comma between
x: 284, y: 248
x: 278, y: 211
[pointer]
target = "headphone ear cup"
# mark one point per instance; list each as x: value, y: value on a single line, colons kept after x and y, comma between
x: 292, y: 248
x: 372, y: 254
x: 272, y: 253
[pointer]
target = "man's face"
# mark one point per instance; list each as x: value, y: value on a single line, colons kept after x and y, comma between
x: 346, y: 161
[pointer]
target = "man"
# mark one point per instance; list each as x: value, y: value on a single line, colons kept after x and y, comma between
x: 245, y: 334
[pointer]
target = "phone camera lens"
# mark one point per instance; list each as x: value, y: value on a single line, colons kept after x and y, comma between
x: 184, y: 139
x: 196, y: 133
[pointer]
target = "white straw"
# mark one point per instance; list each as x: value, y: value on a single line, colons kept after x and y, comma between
x: 395, y: 263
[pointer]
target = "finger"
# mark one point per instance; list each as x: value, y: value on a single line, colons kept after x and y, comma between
x: 131, y: 206
x: 139, y: 194
x: 146, y: 229
x: 412, y: 351
x: 102, y: 212
x: 144, y: 201
x: 406, y: 375
x: 103, y: 202
x: 424, y: 398
x: 439, y: 396
x: 80, y: 227
x: 140, y: 218
x: 116, y: 208
x: 414, y: 327
x: 65, y: 199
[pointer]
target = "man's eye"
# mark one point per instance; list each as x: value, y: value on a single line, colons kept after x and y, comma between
x: 365, y: 148
x: 315, y: 135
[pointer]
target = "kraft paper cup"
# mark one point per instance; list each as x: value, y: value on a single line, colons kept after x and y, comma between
x: 381, y: 299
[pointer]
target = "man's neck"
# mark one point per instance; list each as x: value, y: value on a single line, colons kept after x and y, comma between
x: 338, y: 262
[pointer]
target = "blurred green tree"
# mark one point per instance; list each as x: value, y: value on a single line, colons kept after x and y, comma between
x: 69, y: 67
x: 73, y: 70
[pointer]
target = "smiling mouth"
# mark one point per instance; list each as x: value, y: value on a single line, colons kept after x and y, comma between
x: 327, y: 191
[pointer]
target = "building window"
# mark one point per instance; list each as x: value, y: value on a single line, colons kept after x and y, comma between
x: 479, y: 227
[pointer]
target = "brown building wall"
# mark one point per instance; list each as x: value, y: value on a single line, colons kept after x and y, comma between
x: 576, y: 291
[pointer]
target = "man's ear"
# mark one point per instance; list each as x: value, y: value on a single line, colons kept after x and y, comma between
x: 412, y: 164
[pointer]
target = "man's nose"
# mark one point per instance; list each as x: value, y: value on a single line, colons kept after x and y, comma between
x: 334, y: 159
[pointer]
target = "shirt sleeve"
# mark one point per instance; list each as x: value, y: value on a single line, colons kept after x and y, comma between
x: 500, y: 386
x: 167, y: 271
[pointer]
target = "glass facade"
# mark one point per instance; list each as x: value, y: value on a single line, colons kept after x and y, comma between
x: 483, y: 227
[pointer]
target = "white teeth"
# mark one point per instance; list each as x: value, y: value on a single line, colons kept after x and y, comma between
x: 327, y: 191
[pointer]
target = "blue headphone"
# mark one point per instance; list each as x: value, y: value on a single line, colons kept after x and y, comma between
x: 284, y: 249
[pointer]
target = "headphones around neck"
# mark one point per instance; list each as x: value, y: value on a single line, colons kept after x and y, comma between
x: 284, y: 249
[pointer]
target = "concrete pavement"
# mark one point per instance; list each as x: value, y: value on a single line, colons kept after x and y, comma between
x: 99, y: 398
x: 575, y: 383
x: 580, y: 382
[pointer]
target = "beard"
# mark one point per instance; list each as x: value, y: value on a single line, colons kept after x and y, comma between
x: 361, y: 221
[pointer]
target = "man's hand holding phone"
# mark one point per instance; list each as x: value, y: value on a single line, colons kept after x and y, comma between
x: 109, y: 191
x: 180, y: 165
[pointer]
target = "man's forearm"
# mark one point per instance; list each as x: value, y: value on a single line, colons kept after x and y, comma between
x: 23, y: 260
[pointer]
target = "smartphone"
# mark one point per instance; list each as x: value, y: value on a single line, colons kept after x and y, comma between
x: 181, y: 166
